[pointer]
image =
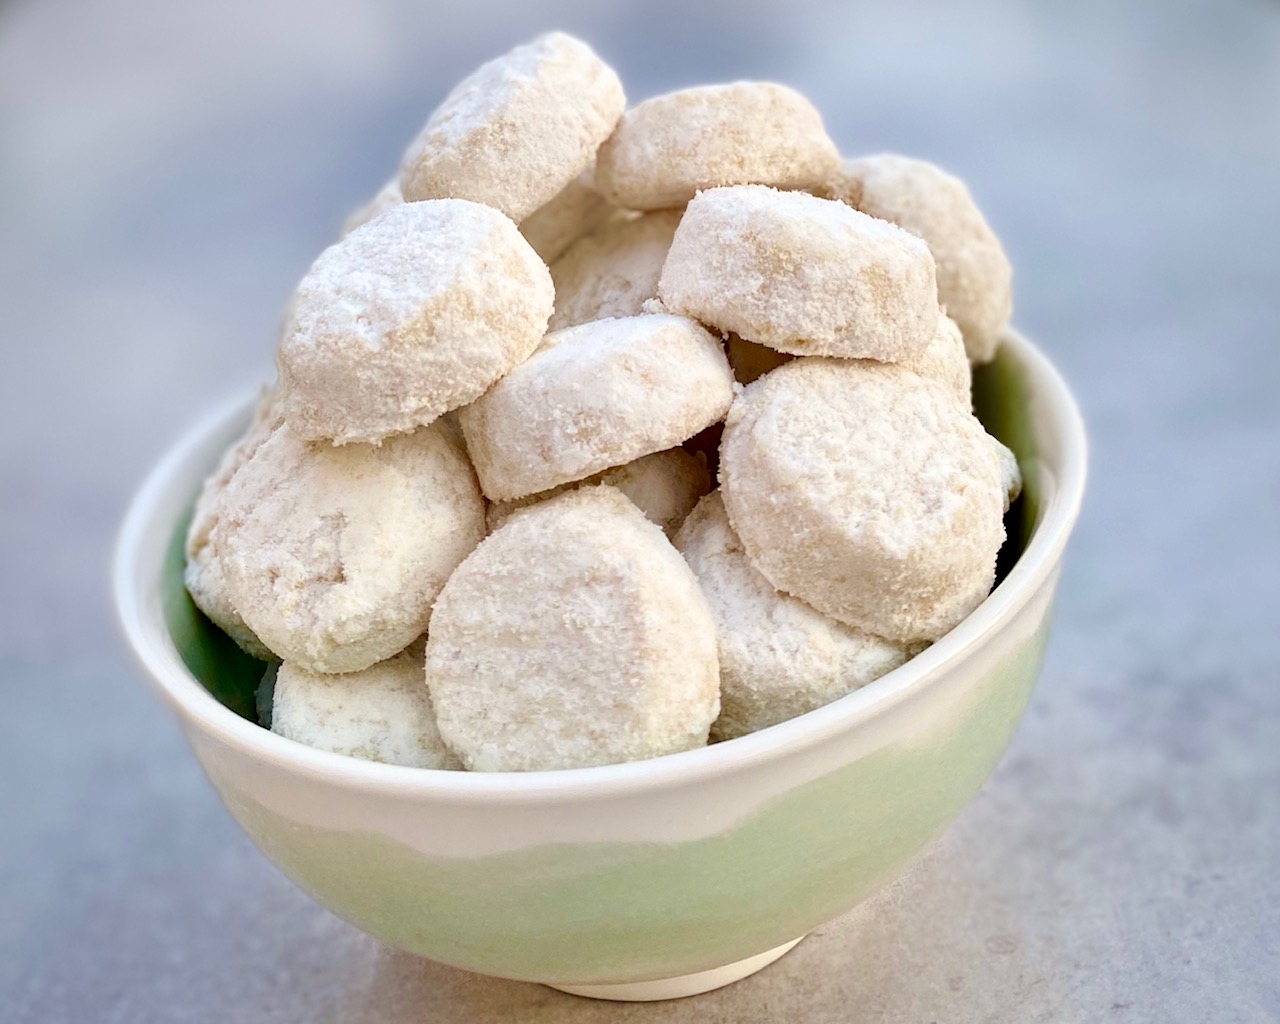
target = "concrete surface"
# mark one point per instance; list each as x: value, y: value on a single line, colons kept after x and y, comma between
x: 168, y: 170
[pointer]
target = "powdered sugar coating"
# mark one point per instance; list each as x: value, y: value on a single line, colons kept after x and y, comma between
x: 867, y: 491
x: 333, y: 555
x: 665, y: 486
x: 596, y: 396
x: 384, y: 199
x: 944, y: 359
x: 203, y: 575
x: 575, y: 635
x: 614, y: 271
x: 778, y: 657
x: 409, y: 316
x: 518, y: 129
x: 575, y: 211
x: 800, y: 274
x: 668, y: 148
x: 381, y: 713
x: 974, y: 276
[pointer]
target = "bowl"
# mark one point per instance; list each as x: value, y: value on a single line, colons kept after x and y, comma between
x: 646, y: 880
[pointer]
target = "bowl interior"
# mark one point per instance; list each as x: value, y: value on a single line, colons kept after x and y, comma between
x: 1002, y: 400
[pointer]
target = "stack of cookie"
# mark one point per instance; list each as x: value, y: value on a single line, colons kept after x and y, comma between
x: 479, y: 521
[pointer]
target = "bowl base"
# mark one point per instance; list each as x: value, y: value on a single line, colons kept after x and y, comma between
x: 684, y: 984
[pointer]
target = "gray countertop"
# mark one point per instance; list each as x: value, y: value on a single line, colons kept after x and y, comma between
x: 167, y: 171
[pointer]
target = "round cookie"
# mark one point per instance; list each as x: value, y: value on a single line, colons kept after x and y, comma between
x: 411, y: 315
x: 576, y: 211
x: 974, y: 276
x: 614, y: 271
x: 868, y: 492
x: 668, y: 148
x: 596, y: 396
x: 386, y: 197
x: 665, y: 486
x: 778, y: 657
x: 381, y: 713
x: 802, y: 275
x: 203, y: 575
x: 944, y: 359
x: 333, y: 555
x: 575, y: 635
x: 518, y: 129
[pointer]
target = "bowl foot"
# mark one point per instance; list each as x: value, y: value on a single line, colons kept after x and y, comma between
x: 684, y: 984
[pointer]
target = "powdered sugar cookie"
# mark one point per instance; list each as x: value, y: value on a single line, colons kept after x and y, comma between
x: 381, y: 713
x: 576, y: 211
x: 665, y: 486
x: 411, y: 315
x: 596, y: 396
x: 614, y: 271
x: 667, y: 148
x: 333, y: 555
x: 517, y: 130
x: 203, y: 571
x: 944, y: 359
x: 778, y: 657
x: 800, y: 274
x: 974, y: 275
x: 867, y: 491
x: 575, y: 635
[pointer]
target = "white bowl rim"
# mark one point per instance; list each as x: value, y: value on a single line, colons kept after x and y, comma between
x: 155, y: 651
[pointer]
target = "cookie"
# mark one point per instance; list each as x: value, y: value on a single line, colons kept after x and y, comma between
x: 778, y: 657
x: 974, y: 276
x: 593, y: 397
x: 333, y: 555
x: 868, y: 492
x: 574, y: 636
x: 574, y: 212
x: 518, y: 130
x: 668, y: 148
x: 801, y: 275
x: 945, y: 360
x: 203, y: 575
x: 411, y: 315
x: 381, y: 713
x: 614, y: 271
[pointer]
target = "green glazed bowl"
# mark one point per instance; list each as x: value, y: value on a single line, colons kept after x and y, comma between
x: 648, y: 880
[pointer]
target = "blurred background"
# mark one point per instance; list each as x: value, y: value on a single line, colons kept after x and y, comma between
x: 168, y: 171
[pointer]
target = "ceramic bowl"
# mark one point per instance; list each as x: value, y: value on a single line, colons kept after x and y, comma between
x: 654, y: 879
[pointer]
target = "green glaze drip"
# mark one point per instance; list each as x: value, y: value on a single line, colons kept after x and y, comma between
x: 614, y: 912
